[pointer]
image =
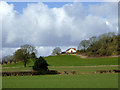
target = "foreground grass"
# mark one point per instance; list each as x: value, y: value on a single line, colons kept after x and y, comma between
x: 62, y: 81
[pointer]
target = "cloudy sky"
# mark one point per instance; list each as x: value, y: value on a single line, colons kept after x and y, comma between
x: 49, y: 25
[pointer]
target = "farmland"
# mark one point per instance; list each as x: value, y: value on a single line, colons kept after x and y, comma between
x: 71, y: 60
x: 66, y: 63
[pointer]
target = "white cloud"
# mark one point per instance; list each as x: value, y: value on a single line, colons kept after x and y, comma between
x: 40, y: 25
x: 8, y: 51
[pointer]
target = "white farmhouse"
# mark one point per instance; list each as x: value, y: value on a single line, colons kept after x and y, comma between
x: 71, y: 50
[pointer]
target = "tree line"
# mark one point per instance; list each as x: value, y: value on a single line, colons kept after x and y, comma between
x: 103, y: 45
x: 106, y: 44
x: 24, y: 54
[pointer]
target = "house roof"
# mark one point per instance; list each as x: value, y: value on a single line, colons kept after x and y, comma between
x: 71, y: 48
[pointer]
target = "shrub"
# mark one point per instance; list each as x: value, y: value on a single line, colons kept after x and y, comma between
x: 40, y: 65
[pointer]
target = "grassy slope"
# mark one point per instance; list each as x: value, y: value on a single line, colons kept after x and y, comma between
x: 67, y: 61
x: 71, y: 60
x: 19, y: 64
x: 62, y: 63
x: 62, y: 81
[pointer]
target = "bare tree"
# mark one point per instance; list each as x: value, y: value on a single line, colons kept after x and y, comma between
x: 83, y: 44
x: 56, y: 50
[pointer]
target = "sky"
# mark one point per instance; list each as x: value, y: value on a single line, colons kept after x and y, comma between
x: 49, y: 25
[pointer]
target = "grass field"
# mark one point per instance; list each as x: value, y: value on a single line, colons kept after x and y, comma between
x: 66, y: 63
x: 78, y: 69
x: 62, y: 81
x: 72, y: 60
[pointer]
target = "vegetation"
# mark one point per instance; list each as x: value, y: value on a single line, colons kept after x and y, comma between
x: 40, y: 65
x: 56, y: 51
x: 103, y: 45
x: 65, y: 63
x: 7, y: 59
x: 78, y: 69
x: 24, y: 54
x: 71, y: 60
x: 62, y: 81
x: 84, y: 44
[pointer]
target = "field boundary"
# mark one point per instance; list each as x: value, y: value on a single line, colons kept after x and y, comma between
x: 83, y: 66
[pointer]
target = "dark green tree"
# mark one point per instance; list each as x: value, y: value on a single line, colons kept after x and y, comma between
x: 40, y: 65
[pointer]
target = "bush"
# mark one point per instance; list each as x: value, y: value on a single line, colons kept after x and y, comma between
x: 41, y: 66
x: 89, y: 54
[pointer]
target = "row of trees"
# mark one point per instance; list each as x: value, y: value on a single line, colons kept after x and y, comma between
x: 103, y: 45
x: 25, y: 53
x: 7, y: 59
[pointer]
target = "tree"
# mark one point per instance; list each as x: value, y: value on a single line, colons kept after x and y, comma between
x: 0, y: 60
x: 7, y: 59
x: 40, y: 65
x: 56, y: 50
x: 10, y: 58
x: 29, y: 50
x: 25, y: 53
x: 19, y: 55
x: 92, y: 40
x: 33, y: 56
x: 83, y: 44
x: 104, y: 45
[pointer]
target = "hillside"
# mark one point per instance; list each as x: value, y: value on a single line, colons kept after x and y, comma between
x: 71, y: 60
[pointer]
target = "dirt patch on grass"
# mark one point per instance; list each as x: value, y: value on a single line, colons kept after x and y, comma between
x: 82, y: 56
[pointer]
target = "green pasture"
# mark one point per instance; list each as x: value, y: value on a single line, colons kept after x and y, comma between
x: 78, y: 69
x: 62, y: 81
x: 83, y: 69
x: 71, y: 60
x: 68, y: 63
x: 65, y: 63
